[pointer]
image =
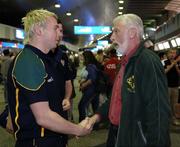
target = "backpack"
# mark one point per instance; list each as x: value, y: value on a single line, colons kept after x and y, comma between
x: 102, y: 82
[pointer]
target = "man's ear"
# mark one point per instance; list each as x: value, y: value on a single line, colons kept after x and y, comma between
x: 38, y: 30
x: 132, y: 32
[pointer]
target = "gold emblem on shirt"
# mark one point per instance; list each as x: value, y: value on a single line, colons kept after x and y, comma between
x: 131, y: 84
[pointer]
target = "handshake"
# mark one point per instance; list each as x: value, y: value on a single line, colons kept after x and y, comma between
x: 87, y: 124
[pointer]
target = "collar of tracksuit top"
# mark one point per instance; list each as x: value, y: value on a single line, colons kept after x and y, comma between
x: 115, y: 104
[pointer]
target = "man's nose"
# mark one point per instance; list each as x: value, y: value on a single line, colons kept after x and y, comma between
x: 61, y: 34
x: 112, y: 37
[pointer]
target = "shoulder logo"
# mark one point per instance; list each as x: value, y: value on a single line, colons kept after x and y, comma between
x: 62, y: 62
x: 50, y: 80
x: 131, y: 84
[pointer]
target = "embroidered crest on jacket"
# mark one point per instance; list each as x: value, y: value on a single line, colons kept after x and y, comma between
x: 131, y: 84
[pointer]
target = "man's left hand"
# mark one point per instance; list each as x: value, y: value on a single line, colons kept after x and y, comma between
x: 66, y: 104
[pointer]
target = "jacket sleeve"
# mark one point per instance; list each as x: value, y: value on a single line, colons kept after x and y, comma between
x: 153, y: 91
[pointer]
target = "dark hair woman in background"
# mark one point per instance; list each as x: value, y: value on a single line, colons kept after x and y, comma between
x: 88, y: 86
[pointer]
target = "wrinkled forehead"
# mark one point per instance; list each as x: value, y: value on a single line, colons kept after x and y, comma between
x: 118, y: 25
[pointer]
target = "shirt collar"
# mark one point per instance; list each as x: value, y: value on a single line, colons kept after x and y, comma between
x: 134, y: 52
x: 127, y: 56
x: 37, y: 51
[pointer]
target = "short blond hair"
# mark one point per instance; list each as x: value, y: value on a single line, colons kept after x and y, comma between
x: 35, y: 17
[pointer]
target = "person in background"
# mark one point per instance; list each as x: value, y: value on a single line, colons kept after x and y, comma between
x: 100, y: 56
x: 163, y: 57
x: 110, y: 68
x: 83, y: 72
x: 61, y: 63
x: 3, y: 117
x: 139, y: 110
x: 70, y: 72
x: 88, y: 86
x: 36, y: 88
x: 6, y: 61
x: 172, y: 70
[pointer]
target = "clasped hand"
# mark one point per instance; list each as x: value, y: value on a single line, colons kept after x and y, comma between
x: 87, y: 125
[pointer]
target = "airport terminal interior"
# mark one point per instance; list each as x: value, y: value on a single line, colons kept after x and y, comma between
x: 87, y: 26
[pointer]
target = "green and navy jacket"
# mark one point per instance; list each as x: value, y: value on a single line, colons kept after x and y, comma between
x: 33, y: 77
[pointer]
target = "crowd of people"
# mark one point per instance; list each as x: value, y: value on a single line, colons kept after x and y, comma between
x: 135, y: 93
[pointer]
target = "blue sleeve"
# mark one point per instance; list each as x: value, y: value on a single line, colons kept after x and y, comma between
x: 92, y: 72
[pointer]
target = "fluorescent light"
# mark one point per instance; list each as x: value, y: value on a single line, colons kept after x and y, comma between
x: 156, y: 48
x: 99, y: 47
x: 20, y: 34
x: 76, y: 20
x: 166, y: 45
x: 120, y: 13
x: 144, y: 37
x: 173, y: 42
x: 121, y: 2
x: 92, y: 29
x: 121, y: 8
x: 68, y: 14
x: 57, y: 5
x: 94, y: 49
x: 91, y: 37
x: 178, y: 41
x: 161, y: 47
x: 102, y: 43
x: 151, y: 29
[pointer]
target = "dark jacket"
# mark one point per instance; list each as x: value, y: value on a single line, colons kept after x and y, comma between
x: 145, y: 115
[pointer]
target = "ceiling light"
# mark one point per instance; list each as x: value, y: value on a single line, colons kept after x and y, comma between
x: 68, y: 14
x: 156, y: 48
x: 121, y: 2
x: 161, y: 47
x: 178, y: 41
x: 120, y: 8
x: 57, y: 5
x: 173, y: 42
x: 166, y: 45
x: 76, y: 55
x: 76, y: 20
x: 91, y: 37
x: 120, y: 13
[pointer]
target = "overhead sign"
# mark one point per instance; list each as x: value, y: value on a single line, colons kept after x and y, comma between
x: 102, y: 42
x: 11, y: 45
x: 92, y: 29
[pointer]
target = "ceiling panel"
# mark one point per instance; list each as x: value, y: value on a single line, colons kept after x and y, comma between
x: 173, y: 5
x: 89, y: 12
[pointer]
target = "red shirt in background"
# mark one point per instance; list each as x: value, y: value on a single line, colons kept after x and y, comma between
x: 110, y: 68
